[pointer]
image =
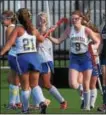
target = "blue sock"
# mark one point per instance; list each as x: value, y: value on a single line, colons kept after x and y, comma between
x: 13, y: 90
x: 25, y: 99
x: 18, y: 96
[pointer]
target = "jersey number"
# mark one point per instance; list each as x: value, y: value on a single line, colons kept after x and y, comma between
x: 77, y: 46
x: 28, y: 44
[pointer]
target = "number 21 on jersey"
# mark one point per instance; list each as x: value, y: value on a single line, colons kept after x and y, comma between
x: 28, y: 44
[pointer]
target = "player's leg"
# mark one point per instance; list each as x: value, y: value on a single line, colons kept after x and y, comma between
x: 80, y: 89
x: 93, y: 91
x: 25, y: 92
x: 86, y: 68
x: 36, y: 90
x: 22, y: 69
x: 34, y: 79
x: 103, y: 107
x: 73, y: 78
x: 80, y: 81
x: 16, y: 82
x: 46, y: 76
x: 13, y: 80
x: 86, y: 86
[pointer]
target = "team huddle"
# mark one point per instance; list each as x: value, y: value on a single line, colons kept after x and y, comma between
x: 30, y: 57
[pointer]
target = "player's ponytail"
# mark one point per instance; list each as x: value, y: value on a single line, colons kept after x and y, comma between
x: 24, y: 17
x: 87, y: 22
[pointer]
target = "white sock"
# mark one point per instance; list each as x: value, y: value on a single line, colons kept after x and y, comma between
x: 25, y: 99
x: 93, y: 96
x: 80, y: 87
x: 13, y: 91
x: 80, y: 90
x: 87, y: 100
x: 34, y: 102
x: 38, y: 96
x: 56, y: 94
x: 18, y: 96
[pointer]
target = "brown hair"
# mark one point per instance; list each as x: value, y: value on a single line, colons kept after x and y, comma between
x: 10, y: 14
x: 24, y: 17
x: 77, y: 12
x: 86, y: 22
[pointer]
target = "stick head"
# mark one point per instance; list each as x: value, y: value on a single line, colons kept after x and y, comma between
x: 65, y: 20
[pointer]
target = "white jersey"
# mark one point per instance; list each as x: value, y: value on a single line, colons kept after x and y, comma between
x: 12, y: 51
x: 79, y: 41
x: 26, y: 43
x: 45, y: 49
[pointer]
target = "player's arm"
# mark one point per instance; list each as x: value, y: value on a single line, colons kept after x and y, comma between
x: 93, y: 36
x: 11, y: 41
x: 62, y: 37
x: 39, y: 37
x: 101, y: 43
x: 9, y: 31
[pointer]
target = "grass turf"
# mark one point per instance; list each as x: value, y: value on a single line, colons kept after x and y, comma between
x: 70, y: 95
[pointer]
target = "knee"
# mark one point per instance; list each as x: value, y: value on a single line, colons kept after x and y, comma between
x: 47, y: 86
x: 16, y: 82
x: 32, y: 85
x: 73, y: 85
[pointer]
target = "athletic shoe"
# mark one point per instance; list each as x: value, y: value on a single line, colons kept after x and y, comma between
x: 43, y: 107
x: 82, y: 104
x: 25, y: 112
x: 86, y: 109
x: 91, y: 107
x: 102, y: 108
x: 19, y: 105
x: 47, y: 102
x: 35, y: 107
x: 11, y: 106
x: 63, y: 105
x: 31, y: 107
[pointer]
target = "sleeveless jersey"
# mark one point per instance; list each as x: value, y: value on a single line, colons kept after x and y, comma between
x: 45, y: 49
x: 103, y: 53
x: 79, y: 41
x: 26, y: 43
x: 12, y: 51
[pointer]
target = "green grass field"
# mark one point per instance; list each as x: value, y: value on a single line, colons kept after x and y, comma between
x: 70, y: 95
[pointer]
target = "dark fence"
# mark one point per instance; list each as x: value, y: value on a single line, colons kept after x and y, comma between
x: 57, y: 9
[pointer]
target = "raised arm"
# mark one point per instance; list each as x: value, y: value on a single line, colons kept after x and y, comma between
x: 11, y: 41
x: 62, y: 37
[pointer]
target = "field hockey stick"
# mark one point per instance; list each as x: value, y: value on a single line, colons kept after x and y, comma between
x: 65, y: 20
x: 97, y: 65
x: 100, y: 73
x: 48, y: 13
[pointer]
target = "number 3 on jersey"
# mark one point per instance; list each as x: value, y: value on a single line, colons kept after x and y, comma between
x: 28, y: 44
x: 77, y: 46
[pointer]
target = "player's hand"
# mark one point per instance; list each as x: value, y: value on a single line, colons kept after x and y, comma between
x: 49, y: 36
x: 53, y: 27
